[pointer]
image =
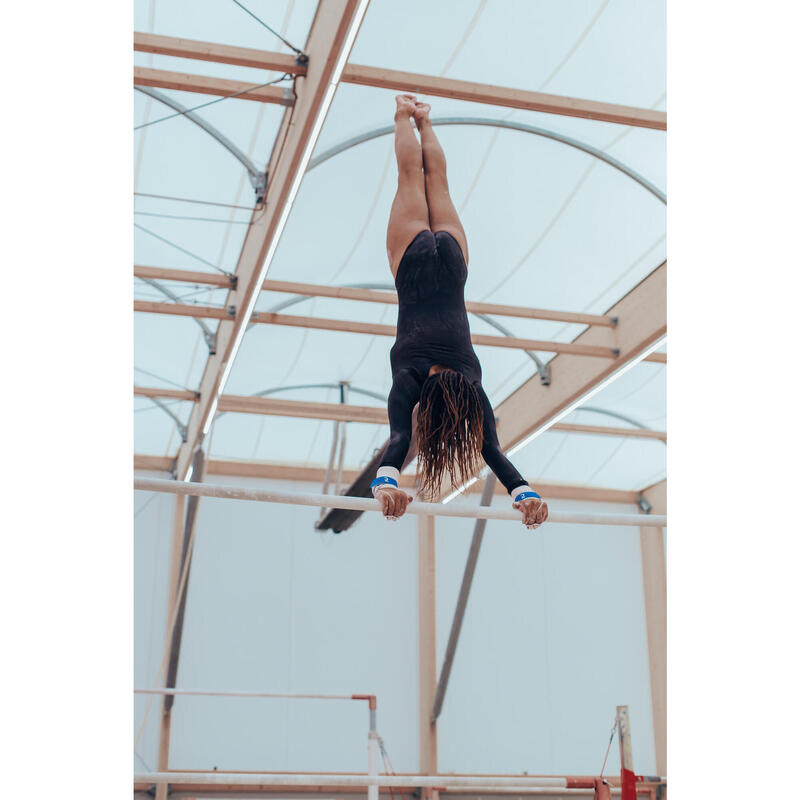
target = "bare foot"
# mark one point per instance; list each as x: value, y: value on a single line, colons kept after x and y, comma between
x: 421, y: 113
x: 406, y: 105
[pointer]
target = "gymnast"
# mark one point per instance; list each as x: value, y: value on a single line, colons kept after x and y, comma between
x: 433, y: 362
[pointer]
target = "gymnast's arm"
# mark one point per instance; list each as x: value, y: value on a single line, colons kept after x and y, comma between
x: 533, y: 508
x: 402, y: 399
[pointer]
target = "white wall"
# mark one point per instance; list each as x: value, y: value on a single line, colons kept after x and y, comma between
x: 553, y: 640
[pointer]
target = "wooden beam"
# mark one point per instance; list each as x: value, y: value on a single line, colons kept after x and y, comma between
x: 183, y: 275
x: 654, y: 580
x: 601, y: 430
x: 371, y: 296
x: 412, y: 82
x: 165, y: 723
x: 326, y: 44
x: 175, y: 394
x: 268, y: 470
x: 656, y: 358
x: 371, y: 328
x: 390, y: 298
x: 202, y: 84
x: 426, y: 645
x: 501, y: 96
x: 154, y: 463
x: 642, y: 318
x: 271, y: 406
x: 375, y: 415
x: 218, y: 53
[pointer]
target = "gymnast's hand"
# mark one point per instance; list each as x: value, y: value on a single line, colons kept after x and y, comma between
x: 534, y: 512
x: 393, y: 502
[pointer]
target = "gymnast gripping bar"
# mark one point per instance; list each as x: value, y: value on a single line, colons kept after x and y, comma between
x: 365, y: 504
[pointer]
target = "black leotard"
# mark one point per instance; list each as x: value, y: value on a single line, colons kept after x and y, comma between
x: 432, y: 328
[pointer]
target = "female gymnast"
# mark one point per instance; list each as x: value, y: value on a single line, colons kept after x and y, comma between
x: 433, y: 362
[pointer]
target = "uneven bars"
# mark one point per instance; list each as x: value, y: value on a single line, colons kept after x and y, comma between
x: 344, y: 781
x: 292, y: 695
x: 365, y: 504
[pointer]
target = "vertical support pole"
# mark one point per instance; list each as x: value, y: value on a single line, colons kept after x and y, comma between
x: 654, y: 578
x: 372, y: 753
x: 626, y: 754
x: 463, y: 596
x: 178, y: 517
x: 426, y: 545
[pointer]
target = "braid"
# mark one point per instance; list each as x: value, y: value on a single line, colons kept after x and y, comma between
x: 449, y: 432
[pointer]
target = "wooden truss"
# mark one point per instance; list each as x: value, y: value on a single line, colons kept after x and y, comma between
x: 610, y: 342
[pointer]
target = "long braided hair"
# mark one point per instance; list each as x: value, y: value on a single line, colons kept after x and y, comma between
x: 449, y: 432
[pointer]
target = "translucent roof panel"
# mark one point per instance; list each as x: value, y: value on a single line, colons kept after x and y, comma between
x: 549, y: 224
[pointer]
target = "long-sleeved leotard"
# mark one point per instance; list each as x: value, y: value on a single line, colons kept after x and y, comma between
x: 432, y: 328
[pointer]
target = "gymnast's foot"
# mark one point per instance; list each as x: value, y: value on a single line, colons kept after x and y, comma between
x: 406, y: 105
x: 421, y: 114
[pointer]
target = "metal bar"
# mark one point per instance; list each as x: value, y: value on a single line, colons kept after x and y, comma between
x: 498, y: 123
x: 463, y: 596
x: 283, y: 695
x: 364, y: 504
x: 345, y: 780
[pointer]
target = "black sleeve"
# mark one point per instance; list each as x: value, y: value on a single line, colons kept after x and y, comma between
x: 491, y: 452
x: 402, y: 399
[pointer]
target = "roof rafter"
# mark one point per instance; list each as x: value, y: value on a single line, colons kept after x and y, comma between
x: 316, y: 474
x: 412, y: 82
x: 345, y: 412
x: 330, y: 39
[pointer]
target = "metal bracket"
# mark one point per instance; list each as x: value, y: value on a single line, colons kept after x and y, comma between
x: 545, y: 374
x: 231, y: 311
x: 644, y: 505
x: 301, y: 59
x: 259, y: 183
x: 288, y: 97
x: 234, y: 279
x: 211, y: 341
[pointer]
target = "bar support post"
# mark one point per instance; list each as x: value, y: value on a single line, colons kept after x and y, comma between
x: 426, y: 547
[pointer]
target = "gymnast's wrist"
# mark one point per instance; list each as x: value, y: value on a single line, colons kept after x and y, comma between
x: 387, y: 478
x: 524, y: 492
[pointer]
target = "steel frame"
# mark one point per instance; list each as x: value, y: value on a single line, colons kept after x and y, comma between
x: 332, y: 33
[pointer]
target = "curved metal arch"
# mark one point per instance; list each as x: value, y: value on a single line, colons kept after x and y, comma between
x: 498, y: 123
x: 208, y: 335
x: 257, y: 178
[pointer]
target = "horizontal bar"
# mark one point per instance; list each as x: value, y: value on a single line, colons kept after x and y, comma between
x: 271, y: 406
x: 175, y: 394
x: 505, y: 97
x: 218, y: 53
x: 291, y: 695
x: 371, y: 328
x: 410, y: 82
x: 369, y: 295
x: 202, y: 84
x: 344, y: 780
x: 390, y: 298
x: 365, y: 504
x: 182, y: 275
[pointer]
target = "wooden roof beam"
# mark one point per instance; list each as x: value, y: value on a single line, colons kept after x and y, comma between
x: 375, y: 415
x: 330, y: 39
x: 412, y: 82
x: 202, y: 84
x: 316, y: 474
x: 374, y: 329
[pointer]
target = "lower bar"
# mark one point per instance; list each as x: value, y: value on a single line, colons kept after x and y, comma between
x: 365, y: 504
x: 341, y: 780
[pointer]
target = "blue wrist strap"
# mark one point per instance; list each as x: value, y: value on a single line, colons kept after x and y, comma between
x: 526, y: 495
x: 383, y: 481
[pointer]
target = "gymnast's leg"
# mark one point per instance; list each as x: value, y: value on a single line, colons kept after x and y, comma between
x: 441, y: 211
x: 409, y: 214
